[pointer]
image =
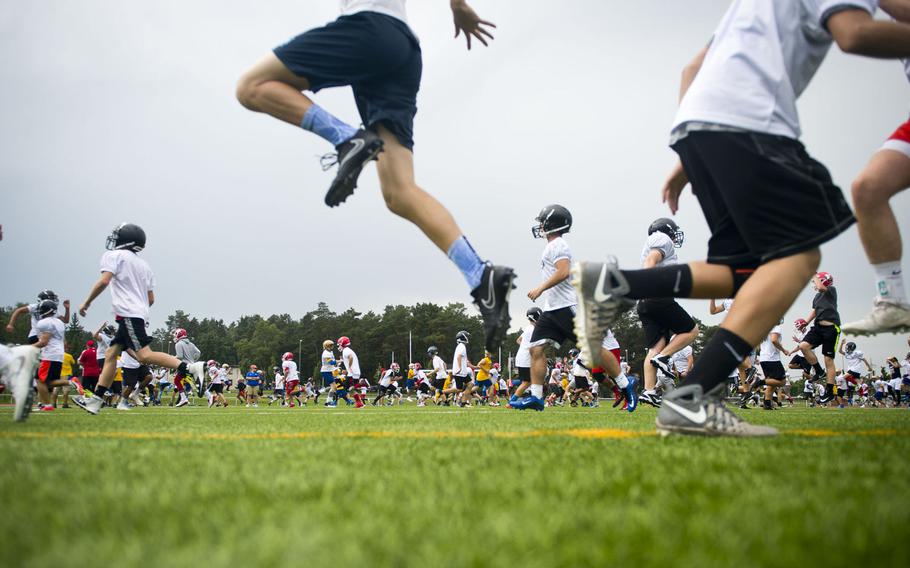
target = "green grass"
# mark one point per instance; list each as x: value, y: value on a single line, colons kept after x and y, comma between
x: 212, y: 487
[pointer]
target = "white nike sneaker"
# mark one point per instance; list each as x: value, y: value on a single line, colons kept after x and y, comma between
x: 92, y: 405
x: 688, y: 410
x: 19, y: 372
x: 885, y: 317
x: 136, y: 399
x: 600, y: 302
x: 123, y: 405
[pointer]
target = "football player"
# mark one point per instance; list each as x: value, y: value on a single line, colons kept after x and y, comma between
x: 746, y: 370
x: 327, y: 363
x: 132, y: 282
x: 51, y: 333
x: 461, y: 375
x: 856, y: 361
x: 186, y: 351
x: 825, y: 331
x: 439, y: 373
x: 291, y: 378
x: 32, y: 310
x: 372, y: 49
x: 350, y: 361
x: 771, y: 365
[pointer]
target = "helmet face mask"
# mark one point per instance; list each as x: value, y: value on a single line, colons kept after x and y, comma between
x: 432, y: 351
x: 462, y: 337
x: 534, y: 314
x: 46, y: 308
x: 850, y: 347
x: 668, y: 227
x: 552, y: 219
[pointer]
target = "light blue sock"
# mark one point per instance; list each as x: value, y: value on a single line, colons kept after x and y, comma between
x: 465, y: 258
x: 319, y: 121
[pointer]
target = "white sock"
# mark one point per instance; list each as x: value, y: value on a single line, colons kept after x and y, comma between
x: 537, y: 390
x: 621, y: 381
x: 650, y: 391
x: 889, y: 281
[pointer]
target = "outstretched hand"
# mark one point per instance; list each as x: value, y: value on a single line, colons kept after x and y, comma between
x: 673, y: 187
x: 468, y: 22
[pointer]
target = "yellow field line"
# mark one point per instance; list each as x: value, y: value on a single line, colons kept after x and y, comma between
x: 581, y: 433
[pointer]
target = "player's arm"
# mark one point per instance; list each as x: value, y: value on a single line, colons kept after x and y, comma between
x: 65, y: 318
x: 868, y: 366
x: 43, y: 339
x: 653, y: 259
x: 468, y: 22
x: 810, y: 317
x: 691, y: 361
x: 858, y: 33
x: 775, y: 341
x: 96, y: 290
x: 714, y: 308
x: 897, y: 9
x: 151, y: 298
x: 12, y: 318
x: 561, y: 273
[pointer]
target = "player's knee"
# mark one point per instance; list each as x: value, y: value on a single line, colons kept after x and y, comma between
x: 247, y: 92
x: 869, y: 192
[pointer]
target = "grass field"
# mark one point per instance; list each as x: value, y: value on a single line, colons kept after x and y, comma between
x: 427, y: 487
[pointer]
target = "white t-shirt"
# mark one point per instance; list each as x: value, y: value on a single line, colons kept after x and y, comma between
x: 221, y: 376
x: 578, y: 369
x: 680, y: 359
x: 386, y: 379
x: 394, y: 8
x: 841, y: 382
x: 440, y: 367
x: 104, y: 341
x: 279, y: 381
x: 128, y: 362
x: 523, y: 357
x: 351, y: 362
x: 52, y: 325
x: 555, y: 376
x: 609, y: 342
x: 761, y: 58
x: 460, y: 361
x: 663, y: 243
x: 855, y: 362
x: 327, y: 365
x: 290, y: 369
x: 132, y: 282
x: 896, y: 384
x: 768, y: 351
x: 33, y: 315
x: 808, y: 387
x: 905, y: 368
x: 563, y: 294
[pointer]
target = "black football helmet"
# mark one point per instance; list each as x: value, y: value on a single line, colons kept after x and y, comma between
x: 850, y: 347
x: 432, y: 351
x: 573, y: 353
x: 668, y: 227
x: 552, y: 219
x: 534, y: 314
x: 126, y: 236
x: 46, y: 308
x: 462, y: 336
x: 47, y: 295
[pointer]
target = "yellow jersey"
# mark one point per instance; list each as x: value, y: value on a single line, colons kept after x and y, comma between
x: 483, y: 369
x: 67, y: 370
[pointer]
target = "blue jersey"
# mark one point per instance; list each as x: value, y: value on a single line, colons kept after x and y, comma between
x: 252, y: 379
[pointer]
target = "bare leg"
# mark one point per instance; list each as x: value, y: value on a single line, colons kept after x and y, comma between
x: 272, y: 88
x: 650, y: 371
x: 886, y: 174
x: 679, y: 341
x: 538, y: 364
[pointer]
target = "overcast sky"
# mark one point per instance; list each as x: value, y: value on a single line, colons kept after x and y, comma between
x: 125, y: 111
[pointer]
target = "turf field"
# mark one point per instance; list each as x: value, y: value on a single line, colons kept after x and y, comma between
x: 442, y: 486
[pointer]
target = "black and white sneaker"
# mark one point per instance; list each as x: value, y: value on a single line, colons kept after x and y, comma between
x: 662, y: 364
x: 600, y: 302
x: 650, y: 398
x: 688, y: 410
x: 352, y: 155
x: 825, y: 398
x: 492, y: 298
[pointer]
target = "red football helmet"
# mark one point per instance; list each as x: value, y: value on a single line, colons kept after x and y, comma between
x: 396, y: 367
x: 179, y: 334
x: 287, y: 356
x: 825, y: 278
x: 211, y: 362
x: 416, y: 366
x: 496, y: 365
x: 800, y: 324
x: 343, y: 341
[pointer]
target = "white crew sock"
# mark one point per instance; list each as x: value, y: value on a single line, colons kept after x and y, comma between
x: 622, y: 381
x: 889, y: 281
x: 537, y: 390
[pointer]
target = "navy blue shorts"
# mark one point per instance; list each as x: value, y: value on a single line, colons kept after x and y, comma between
x: 377, y: 55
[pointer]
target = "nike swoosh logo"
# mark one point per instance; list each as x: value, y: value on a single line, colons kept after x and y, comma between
x: 599, y: 295
x: 358, y: 145
x: 699, y: 417
x: 676, y: 286
x: 490, y: 301
x: 734, y: 352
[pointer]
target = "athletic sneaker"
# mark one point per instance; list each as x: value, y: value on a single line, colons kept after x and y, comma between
x: 183, y: 402
x: 530, y: 401
x: 825, y: 398
x: 630, y: 395
x: 123, y: 405
x: 688, y: 410
x: 885, y: 317
x: 651, y: 398
x: 19, y: 372
x: 351, y: 157
x: 492, y: 298
x: 662, y: 364
x: 91, y: 404
x: 600, y: 302
x: 46, y: 408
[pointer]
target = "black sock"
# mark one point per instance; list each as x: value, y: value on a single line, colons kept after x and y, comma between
x: 181, y: 369
x: 100, y: 391
x: 721, y: 355
x: 819, y: 370
x: 665, y: 282
x: 829, y: 389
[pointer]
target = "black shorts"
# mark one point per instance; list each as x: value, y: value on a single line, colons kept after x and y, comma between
x: 581, y: 383
x: 827, y: 336
x: 132, y: 376
x: 662, y: 318
x: 762, y: 195
x: 798, y: 362
x: 217, y: 388
x: 131, y: 334
x: 556, y: 326
x: 32, y: 339
x: 117, y: 387
x: 524, y: 374
x: 377, y: 55
x: 855, y: 375
x: 423, y: 388
x: 439, y: 384
x: 773, y: 370
x: 460, y: 382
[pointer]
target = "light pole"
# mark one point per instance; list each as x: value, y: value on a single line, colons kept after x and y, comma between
x: 299, y: 351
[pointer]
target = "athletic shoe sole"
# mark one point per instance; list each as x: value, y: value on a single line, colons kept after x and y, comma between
x: 343, y: 186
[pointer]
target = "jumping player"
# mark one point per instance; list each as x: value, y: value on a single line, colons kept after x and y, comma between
x: 771, y: 365
x: 754, y: 182
x: 32, y: 311
x: 825, y: 331
x: 132, y: 283
x: 372, y: 49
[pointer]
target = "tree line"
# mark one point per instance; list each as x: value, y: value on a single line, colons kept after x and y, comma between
x: 254, y: 339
